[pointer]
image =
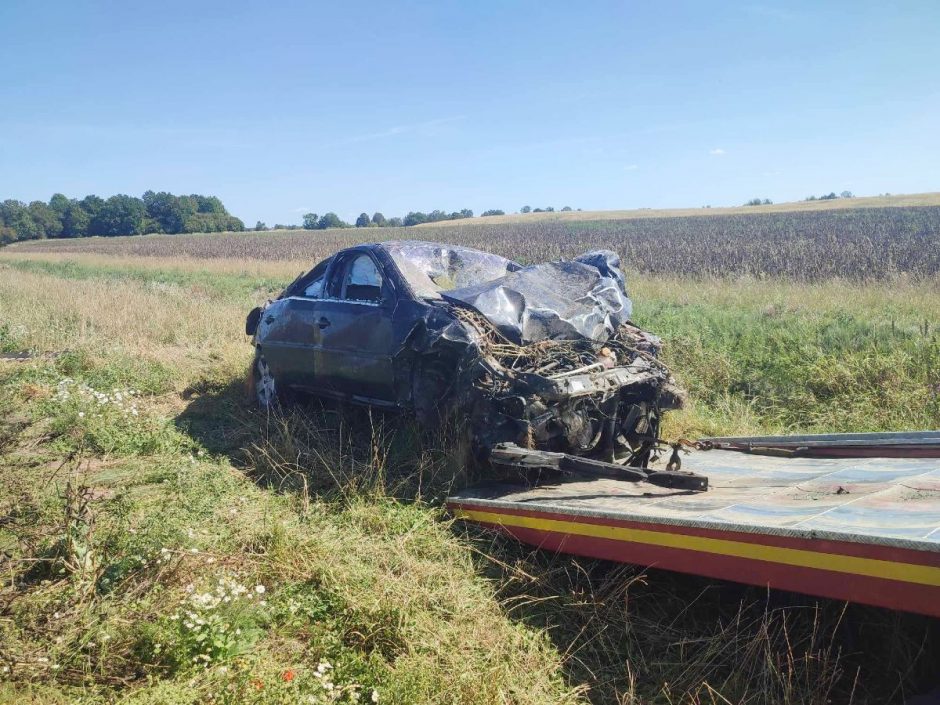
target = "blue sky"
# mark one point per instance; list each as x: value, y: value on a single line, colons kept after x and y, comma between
x: 284, y: 107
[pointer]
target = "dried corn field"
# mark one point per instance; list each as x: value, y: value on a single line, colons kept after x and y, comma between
x: 857, y: 243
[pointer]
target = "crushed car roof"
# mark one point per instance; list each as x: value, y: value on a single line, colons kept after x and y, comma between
x: 584, y: 297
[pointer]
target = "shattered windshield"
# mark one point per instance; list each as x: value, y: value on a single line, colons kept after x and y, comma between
x: 431, y: 268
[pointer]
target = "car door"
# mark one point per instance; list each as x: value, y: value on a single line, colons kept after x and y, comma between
x: 355, y: 317
x: 288, y: 333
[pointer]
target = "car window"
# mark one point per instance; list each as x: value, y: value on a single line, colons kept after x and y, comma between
x: 363, y: 282
x: 309, y: 285
x: 314, y: 289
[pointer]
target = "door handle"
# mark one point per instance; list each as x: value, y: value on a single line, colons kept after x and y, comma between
x: 323, y: 323
x: 269, y: 318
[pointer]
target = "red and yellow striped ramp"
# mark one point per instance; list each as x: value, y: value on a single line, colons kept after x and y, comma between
x: 863, y: 530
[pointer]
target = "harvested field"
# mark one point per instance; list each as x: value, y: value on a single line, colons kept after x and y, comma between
x: 851, y: 243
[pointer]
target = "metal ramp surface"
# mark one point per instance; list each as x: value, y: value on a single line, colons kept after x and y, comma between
x: 863, y: 529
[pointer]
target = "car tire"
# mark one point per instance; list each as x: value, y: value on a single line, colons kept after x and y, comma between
x: 264, y: 386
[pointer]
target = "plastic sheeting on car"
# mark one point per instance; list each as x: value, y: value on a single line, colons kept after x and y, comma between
x: 568, y: 299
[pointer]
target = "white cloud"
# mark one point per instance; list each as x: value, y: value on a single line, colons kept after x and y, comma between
x: 717, y: 152
x: 631, y: 167
x: 302, y: 209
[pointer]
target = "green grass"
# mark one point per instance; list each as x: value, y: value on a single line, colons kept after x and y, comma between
x: 220, y: 286
x: 109, y: 542
x: 117, y: 525
x: 800, y: 371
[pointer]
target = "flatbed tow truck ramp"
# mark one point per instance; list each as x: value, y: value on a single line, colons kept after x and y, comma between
x: 851, y: 517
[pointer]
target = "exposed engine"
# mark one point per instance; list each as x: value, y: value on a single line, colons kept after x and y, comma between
x: 596, y: 400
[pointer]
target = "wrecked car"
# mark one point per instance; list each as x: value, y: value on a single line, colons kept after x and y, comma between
x: 540, y: 363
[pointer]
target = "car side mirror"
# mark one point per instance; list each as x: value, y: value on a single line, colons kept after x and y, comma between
x: 251, y: 323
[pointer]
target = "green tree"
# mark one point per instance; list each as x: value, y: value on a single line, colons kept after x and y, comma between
x: 378, y: 219
x: 494, y: 211
x: 59, y: 203
x: 15, y: 216
x: 208, y: 204
x: 7, y: 235
x: 310, y: 221
x: 75, y: 221
x: 331, y: 220
x: 566, y: 209
x: 212, y: 223
x: 170, y: 212
x: 395, y: 222
x: 151, y: 227
x: 122, y: 215
x: 415, y: 218
x: 525, y: 209
x: 260, y: 226
x: 93, y: 205
x: 363, y: 221
x: 46, y: 219
x: 119, y: 215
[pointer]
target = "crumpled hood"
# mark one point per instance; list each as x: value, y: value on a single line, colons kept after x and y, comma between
x: 568, y: 300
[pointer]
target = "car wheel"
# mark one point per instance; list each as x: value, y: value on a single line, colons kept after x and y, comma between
x: 264, y: 384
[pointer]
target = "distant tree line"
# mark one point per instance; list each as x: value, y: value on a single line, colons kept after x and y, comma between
x: 313, y: 221
x: 118, y: 215
x: 830, y: 196
x: 547, y: 209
